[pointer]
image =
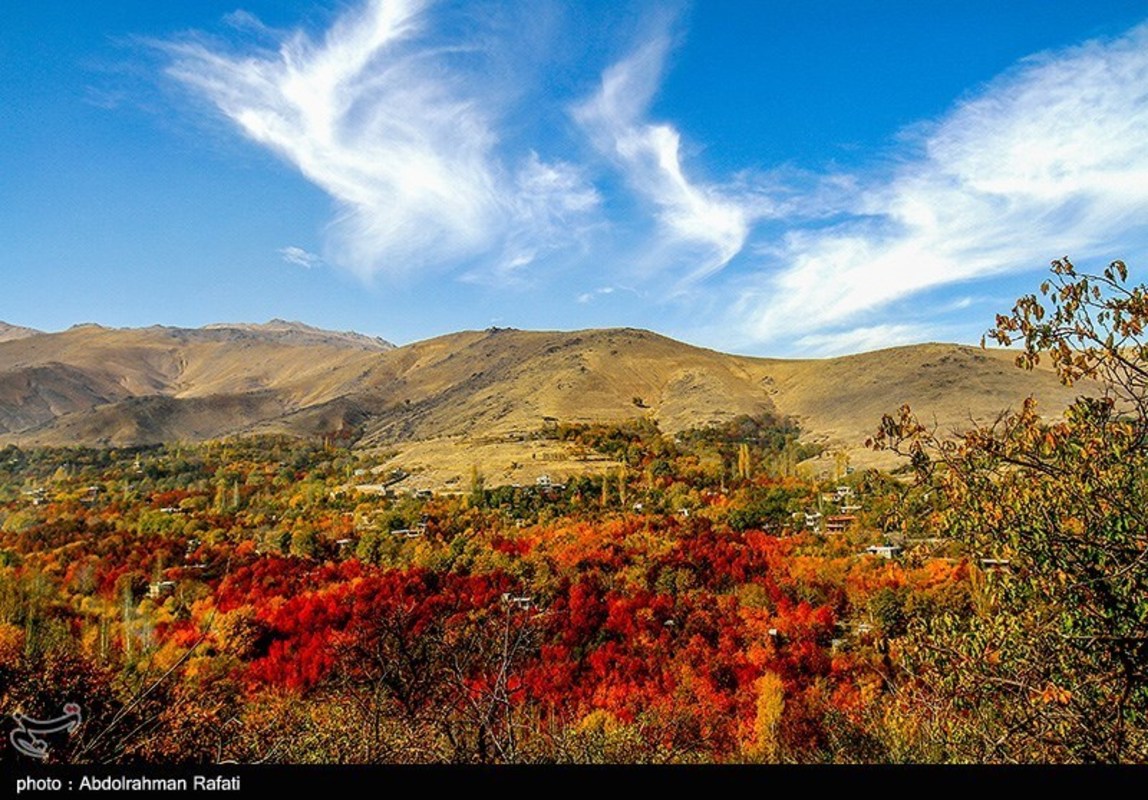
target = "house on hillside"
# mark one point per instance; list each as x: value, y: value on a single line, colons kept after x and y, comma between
x: 884, y: 550
x: 839, y: 523
x: 411, y: 533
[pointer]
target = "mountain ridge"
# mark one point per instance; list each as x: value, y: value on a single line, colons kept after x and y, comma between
x: 116, y: 387
x: 302, y: 333
x: 9, y: 332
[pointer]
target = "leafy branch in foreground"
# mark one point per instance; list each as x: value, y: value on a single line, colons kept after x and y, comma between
x: 1052, y: 662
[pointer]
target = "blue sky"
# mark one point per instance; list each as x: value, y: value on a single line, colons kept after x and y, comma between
x: 774, y: 178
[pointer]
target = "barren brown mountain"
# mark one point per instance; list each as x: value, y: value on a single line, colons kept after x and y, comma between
x: 10, y: 332
x: 95, y: 385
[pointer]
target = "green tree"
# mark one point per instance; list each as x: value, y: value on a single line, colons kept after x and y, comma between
x: 744, y: 462
x: 477, y: 487
x: 304, y: 542
x: 1052, y: 662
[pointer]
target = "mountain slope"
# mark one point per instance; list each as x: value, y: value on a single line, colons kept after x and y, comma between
x: 53, y: 385
x: 841, y: 400
x: 501, y: 381
x: 299, y: 333
x: 10, y: 333
x: 107, y: 386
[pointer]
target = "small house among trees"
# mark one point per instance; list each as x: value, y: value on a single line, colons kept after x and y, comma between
x: 884, y: 550
x: 839, y: 523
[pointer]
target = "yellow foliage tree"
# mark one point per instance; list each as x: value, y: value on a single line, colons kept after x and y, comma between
x: 766, y: 743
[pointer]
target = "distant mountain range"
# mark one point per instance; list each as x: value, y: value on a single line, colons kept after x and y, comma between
x: 285, y: 332
x: 103, y: 386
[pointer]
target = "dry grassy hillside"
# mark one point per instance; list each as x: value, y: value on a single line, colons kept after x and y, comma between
x: 98, y: 385
x: 839, y: 401
x: 472, y: 389
x: 502, y: 381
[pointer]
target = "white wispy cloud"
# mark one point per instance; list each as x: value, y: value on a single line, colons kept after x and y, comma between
x: 550, y: 203
x: 1050, y: 158
x: 414, y: 122
x: 586, y: 297
x: 649, y: 155
x: 300, y: 257
x: 375, y: 115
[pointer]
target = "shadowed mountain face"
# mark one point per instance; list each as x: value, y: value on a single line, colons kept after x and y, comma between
x: 94, y: 385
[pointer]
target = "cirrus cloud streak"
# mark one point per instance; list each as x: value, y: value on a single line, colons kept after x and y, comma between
x: 1049, y: 158
x: 379, y: 115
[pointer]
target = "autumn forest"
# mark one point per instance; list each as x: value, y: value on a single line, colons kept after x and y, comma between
x: 714, y: 599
